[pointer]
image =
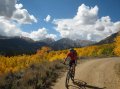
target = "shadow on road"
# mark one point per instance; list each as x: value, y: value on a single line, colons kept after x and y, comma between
x: 78, y: 84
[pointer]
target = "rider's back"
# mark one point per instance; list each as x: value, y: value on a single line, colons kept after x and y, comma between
x: 72, y: 55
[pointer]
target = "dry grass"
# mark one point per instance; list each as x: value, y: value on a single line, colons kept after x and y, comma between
x: 37, y: 76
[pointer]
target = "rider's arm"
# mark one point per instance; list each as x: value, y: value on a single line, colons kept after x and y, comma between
x: 66, y: 57
x: 65, y: 60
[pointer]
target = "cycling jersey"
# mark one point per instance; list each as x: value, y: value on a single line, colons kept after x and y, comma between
x: 72, y: 55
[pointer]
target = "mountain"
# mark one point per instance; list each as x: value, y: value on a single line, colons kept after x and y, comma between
x: 85, y: 42
x: 18, y: 45
x: 64, y: 43
x: 109, y: 39
x: 47, y: 41
x: 3, y: 37
x: 23, y: 45
x: 26, y: 39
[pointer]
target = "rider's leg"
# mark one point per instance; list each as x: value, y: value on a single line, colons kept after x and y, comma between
x: 73, y: 67
x: 73, y: 72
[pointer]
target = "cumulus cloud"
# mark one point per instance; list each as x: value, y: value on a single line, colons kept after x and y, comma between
x: 8, y: 28
x: 18, y: 6
x: 9, y: 9
x: 22, y: 15
x: 40, y: 34
x: 86, y: 15
x: 48, y: 18
x: 86, y: 25
x: 12, y: 15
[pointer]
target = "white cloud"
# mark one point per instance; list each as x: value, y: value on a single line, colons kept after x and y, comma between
x: 18, y: 6
x: 48, y: 18
x: 9, y: 9
x: 86, y: 15
x: 86, y: 25
x: 7, y: 28
x: 22, y: 15
x: 12, y: 15
x: 41, y: 34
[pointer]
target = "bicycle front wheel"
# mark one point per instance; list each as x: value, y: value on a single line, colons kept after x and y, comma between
x: 67, y: 79
x: 72, y: 75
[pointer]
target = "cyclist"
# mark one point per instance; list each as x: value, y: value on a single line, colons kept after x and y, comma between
x: 72, y: 56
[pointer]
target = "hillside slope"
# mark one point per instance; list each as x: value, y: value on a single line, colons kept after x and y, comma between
x: 17, y: 45
x: 109, y: 39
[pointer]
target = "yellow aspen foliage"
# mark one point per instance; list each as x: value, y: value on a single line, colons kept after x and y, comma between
x: 17, y: 63
x: 43, y: 50
x: 42, y: 53
x: 96, y: 51
x: 117, y: 46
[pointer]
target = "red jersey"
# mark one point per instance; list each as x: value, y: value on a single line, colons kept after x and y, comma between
x: 72, y: 55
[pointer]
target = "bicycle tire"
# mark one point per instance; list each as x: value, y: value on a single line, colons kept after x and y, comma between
x: 72, y: 76
x: 67, y: 79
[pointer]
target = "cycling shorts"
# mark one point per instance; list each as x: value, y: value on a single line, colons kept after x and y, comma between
x: 72, y: 62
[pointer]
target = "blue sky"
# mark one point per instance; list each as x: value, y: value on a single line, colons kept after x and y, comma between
x: 66, y: 9
x: 75, y: 19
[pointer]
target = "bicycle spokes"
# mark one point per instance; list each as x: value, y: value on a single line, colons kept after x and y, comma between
x: 67, y: 79
x: 70, y: 75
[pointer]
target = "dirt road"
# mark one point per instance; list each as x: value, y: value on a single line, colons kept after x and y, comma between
x: 93, y: 74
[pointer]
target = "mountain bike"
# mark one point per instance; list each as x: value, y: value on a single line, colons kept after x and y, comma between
x: 70, y: 75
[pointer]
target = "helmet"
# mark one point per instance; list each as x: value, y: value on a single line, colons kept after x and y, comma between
x: 71, y: 49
